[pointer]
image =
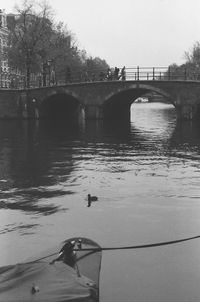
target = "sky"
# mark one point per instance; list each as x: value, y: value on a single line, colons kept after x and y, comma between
x: 146, y: 33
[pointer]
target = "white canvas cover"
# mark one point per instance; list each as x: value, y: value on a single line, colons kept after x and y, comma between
x: 41, y: 281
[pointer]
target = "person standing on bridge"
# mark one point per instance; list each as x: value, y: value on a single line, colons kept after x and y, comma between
x: 116, y: 73
x: 53, y: 77
x: 109, y: 74
x: 123, y: 73
x: 44, y: 73
x: 67, y: 75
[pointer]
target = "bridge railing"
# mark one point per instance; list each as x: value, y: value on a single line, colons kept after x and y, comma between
x: 18, y: 81
x: 160, y: 73
x: 146, y: 73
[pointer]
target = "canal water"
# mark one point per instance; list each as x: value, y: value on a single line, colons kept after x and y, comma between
x: 146, y: 175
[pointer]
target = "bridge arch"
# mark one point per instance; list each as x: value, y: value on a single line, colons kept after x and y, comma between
x: 60, y: 105
x: 117, y: 104
x: 110, y: 99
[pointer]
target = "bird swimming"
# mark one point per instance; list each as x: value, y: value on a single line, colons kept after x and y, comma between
x: 91, y: 198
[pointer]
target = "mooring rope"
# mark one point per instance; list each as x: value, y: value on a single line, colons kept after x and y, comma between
x: 131, y: 247
x: 142, y: 246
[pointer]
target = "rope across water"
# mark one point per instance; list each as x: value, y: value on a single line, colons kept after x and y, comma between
x: 142, y: 246
x: 131, y: 247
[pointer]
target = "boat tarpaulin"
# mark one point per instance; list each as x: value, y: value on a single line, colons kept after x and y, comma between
x: 44, y: 281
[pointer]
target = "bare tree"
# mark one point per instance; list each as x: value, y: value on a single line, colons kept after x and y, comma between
x: 30, y: 32
x: 37, y: 45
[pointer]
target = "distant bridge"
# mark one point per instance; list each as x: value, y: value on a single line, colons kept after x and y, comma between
x: 106, y: 99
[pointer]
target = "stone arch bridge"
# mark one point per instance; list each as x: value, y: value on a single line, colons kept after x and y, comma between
x: 98, y: 100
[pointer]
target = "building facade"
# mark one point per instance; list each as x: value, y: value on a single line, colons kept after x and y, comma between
x: 4, y: 68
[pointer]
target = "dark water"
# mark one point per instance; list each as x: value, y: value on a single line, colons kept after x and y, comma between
x: 147, y: 177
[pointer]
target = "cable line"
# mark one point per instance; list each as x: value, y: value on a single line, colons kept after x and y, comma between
x: 131, y: 247
x: 142, y: 246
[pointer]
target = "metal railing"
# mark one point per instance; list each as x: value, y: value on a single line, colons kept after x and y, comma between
x: 146, y: 73
x: 18, y: 81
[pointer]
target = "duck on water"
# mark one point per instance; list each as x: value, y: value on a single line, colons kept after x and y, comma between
x: 91, y: 199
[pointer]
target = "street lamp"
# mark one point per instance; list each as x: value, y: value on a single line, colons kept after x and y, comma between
x: 49, y: 70
x: 44, y: 73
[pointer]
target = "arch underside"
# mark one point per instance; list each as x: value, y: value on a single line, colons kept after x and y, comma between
x: 118, y: 105
x: 60, y: 107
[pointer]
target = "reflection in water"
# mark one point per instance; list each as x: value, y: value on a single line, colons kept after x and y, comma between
x: 27, y: 200
x: 24, y: 229
x: 186, y: 134
x: 38, y: 160
x: 146, y: 174
x: 156, y: 125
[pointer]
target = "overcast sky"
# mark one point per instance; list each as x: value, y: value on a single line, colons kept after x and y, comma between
x: 130, y: 32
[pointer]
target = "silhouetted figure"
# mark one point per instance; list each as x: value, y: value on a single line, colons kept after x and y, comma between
x: 123, y: 74
x: 116, y: 73
x: 40, y: 80
x: 109, y: 74
x: 44, y: 73
x: 79, y: 244
x: 86, y: 76
x: 101, y: 76
x: 67, y: 254
x: 68, y: 75
x: 53, y: 77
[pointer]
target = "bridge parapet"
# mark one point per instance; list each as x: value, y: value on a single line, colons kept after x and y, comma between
x: 103, y: 99
x: 18, y: 81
